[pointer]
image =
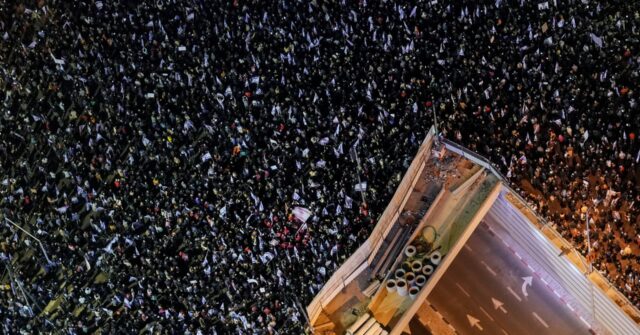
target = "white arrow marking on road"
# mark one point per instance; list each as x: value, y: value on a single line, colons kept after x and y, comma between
x: 474, y: 322
x: 527, y: 281
x: 540, y: 319
x: 497, y: 304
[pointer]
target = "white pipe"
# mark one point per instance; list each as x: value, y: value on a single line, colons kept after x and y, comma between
x: 413, y: 292
x: 436, y: 257
x: 427, y: 270
x: 410, y: 251
x: 410, y: 277
x: 416, y: 266
x: 402, y: 288
x: 391, y: 285
x: 421, y: 280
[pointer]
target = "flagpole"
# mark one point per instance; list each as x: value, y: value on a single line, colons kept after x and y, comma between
x: 357, y: 159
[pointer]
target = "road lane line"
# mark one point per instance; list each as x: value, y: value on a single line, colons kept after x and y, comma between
x: 540, y: 319
x: 463, y: 291
x: 487, y: 314
x: 571, y: 308
x: 514, y: 293
x: 504, y: 331
x: 489, y: 269
x: 585, y: 322
x: 468, y: 247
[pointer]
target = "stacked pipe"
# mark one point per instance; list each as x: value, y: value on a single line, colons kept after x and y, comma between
x: 412, y: 275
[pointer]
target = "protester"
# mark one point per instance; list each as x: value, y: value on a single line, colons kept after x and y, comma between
x: 189, y: 166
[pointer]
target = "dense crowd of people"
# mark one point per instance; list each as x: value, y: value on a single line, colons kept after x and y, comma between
x: 189, y: 165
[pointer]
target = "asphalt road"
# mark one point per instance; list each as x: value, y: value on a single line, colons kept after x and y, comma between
x: 489, y: 290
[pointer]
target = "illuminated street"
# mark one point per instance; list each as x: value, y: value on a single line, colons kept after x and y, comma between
x: 483, y: 292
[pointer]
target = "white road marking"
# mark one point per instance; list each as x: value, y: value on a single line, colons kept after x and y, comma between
x: 463, y: 290
x: 474, y: 322
x: 557, y: 294
x: 497, y: 304
x: 527, y: 282
x: 468, y: 247
x: 489, y: 269
x: 571, y: 308
x: 585, y: 322
x: 540, y: 319
x: 514, y: 293
x: 518, y: 255
x: 504, y: 331
x: 487, y: 314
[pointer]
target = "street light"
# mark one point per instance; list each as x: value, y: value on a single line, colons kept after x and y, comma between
x: 33, y: 237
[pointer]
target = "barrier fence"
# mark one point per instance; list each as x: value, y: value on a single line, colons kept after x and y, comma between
x: 544, y: 226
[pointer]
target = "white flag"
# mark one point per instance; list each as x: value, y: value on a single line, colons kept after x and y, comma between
x: 543, y: 5
x: 361, y: 187
x: 255, y: 198
x: 206, y: 157
x: 585, y: 137
x: 596, y: 39
x: 301, y: 213
x: 266, y: 257
x: 56, y: 60
x: 348, y: 201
